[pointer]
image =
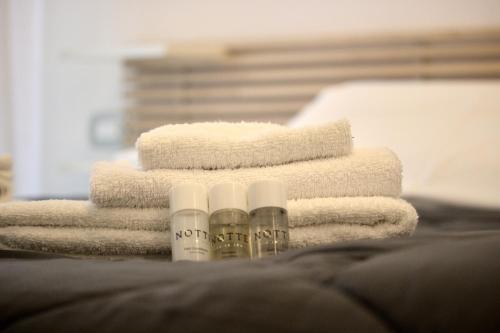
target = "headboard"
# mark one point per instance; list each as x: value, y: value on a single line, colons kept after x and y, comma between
x: 271, y: 80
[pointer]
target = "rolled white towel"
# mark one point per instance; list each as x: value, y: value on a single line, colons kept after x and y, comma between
x: 5, y: 185
x: 5, y: 177
x: 77, y: 227
x: 222, y: 145
x: 366, y: 172
x: 5, y: 162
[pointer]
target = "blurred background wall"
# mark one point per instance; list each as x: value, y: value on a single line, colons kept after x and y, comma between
x: 5, y: 142
x: 60, y: 62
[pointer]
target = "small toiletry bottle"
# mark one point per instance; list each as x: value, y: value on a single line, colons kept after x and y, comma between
x: 268, y: 218
x: 229, y: 230
x: 189, y: 230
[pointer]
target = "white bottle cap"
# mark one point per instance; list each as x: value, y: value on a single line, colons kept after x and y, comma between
x: 188, y: 196
x: 266, y: 193
x: 227, y: 196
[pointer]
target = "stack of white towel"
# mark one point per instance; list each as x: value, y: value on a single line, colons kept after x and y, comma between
x: 5, y: 177
x: 335, y: 193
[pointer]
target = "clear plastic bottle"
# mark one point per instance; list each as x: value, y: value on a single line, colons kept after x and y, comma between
x: 268, y: 218
x: 229, y: 229
x: 189, y: 228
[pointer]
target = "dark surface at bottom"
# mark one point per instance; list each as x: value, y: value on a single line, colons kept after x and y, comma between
x: 443, y: 279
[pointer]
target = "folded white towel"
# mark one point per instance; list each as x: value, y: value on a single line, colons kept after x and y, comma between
x: 366, y: 172
x: 224, y: 145
x: 86, y: 241
x: 302, y: 212
x: 81, y: 214
x: 77, y: 227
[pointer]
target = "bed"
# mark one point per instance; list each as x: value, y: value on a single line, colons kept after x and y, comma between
x: 444, y: 278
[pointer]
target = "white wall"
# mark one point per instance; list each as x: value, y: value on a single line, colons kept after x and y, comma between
x: 152, y: 20
x: 5, y: 133
x: 77, y: 88
x: 23, y: 92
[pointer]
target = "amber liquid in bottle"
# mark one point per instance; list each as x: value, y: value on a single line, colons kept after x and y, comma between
x: 229, y: 234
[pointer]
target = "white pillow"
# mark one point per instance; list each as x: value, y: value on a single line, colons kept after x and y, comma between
x: 447, y: 133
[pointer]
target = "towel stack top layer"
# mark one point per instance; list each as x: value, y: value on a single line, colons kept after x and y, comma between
x: 240, y: 145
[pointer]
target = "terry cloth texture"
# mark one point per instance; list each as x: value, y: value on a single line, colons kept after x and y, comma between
x: 77, y: 227
x: 5, y: 162
x: 5, y: 177
x: 366, y: 172
x: 80, y: 214
x: 224, y: 145
x: 5, y: 185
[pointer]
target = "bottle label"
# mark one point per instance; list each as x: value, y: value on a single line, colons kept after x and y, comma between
x: 272, y: 234
x: 230, y: 241
x: 190, y: 237
x: 267, y: 241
